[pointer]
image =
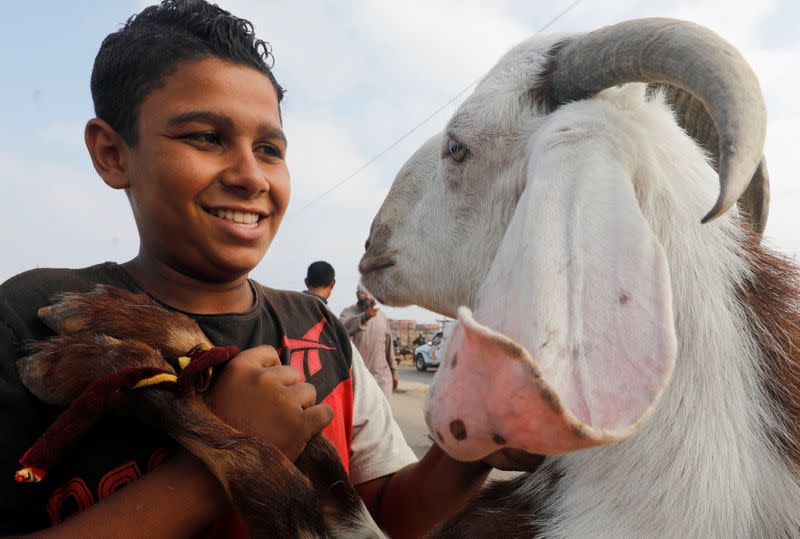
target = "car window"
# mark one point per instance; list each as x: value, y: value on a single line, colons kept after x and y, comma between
x: 437, y: 339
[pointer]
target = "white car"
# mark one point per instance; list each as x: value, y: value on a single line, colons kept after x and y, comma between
x: 431, y: 353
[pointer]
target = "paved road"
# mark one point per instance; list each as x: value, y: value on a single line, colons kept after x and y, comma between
x: 407, y: 406
x: 407, y: 403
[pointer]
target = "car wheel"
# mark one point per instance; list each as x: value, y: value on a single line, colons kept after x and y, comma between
x: 419, y: 363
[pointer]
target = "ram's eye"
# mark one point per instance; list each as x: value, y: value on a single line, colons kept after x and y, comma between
x: 457, y: 151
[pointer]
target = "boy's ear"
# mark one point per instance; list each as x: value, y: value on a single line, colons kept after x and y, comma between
x: 108, y: 151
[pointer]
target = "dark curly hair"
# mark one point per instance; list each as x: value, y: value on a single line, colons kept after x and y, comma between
x: 137, y: 59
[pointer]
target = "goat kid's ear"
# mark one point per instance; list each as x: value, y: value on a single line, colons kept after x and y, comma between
x: 108, y: 151
x: 576, y: 340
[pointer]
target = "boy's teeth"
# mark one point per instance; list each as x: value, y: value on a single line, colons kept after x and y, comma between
x: 236, y: 216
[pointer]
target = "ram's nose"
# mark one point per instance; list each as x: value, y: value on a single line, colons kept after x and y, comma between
x: 377, y: 243
x: 377, y: 254
x: 374, y: 263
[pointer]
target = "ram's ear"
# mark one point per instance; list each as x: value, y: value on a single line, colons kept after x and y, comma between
x: 574, y: 340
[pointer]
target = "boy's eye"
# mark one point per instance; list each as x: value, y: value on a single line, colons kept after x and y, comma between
x: 270, y: 150
x: 208, y: 137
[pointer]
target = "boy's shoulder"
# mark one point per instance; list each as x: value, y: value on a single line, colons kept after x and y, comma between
x: 296, y: 303
x: 288, y: 297
x: 21, y: 296
x: 42, y: 279
x: 302, y: 315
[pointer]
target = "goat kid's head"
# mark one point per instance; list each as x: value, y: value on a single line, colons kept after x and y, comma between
x: 529, y: 215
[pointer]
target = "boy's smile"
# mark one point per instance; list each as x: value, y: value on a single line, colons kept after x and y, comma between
x: 207, y: 179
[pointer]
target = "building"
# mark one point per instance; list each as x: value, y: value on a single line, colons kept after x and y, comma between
x: 407, y: 330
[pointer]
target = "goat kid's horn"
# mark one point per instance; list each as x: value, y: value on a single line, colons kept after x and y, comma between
x: 691, y: 58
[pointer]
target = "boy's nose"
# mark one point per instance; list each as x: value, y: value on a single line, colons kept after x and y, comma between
x: 246, y: 174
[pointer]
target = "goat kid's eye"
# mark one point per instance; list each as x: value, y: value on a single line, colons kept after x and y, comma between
x: 457, y: 151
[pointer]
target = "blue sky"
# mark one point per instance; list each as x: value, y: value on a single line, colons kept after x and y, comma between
x: 359, y: 75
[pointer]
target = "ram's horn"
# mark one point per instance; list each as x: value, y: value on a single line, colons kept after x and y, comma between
x: 694, y: 119
x: 691, y: 58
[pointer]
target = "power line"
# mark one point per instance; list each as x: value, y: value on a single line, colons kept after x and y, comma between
x: 420, y: 124
x: 382, y: 153
x: 563, y: 12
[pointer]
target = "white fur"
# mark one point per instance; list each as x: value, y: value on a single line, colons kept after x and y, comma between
x: 702, y: 466
x: 358, y: 526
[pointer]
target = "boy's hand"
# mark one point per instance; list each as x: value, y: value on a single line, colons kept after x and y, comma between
x: 262, y: 398
x: 514, y: 460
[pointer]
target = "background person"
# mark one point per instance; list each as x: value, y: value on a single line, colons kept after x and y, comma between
x: 369, y: 329
x: 320, y: 280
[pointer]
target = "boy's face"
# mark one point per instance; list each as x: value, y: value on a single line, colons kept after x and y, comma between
x: 208, y: 181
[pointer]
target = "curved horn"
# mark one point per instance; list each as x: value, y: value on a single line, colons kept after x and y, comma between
x: 685, y: 55
x: 693, y: 117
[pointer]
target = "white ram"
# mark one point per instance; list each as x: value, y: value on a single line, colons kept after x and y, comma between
x: 562, y: 203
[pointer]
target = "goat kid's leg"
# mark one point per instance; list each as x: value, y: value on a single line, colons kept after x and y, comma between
x: 124, y: 315
x: 274, y: 498
x: 344, y: 513
x: 58, y: 369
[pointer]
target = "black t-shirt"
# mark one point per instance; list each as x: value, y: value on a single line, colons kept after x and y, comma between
x: 117, y: 451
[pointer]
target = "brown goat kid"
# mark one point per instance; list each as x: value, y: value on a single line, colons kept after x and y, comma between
x: 107, y: 331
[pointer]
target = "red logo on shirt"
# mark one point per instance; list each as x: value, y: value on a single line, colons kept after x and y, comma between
x: 305, y: 350
x: 305, y: 358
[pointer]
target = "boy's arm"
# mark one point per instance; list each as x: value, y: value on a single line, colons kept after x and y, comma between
x: 180, y: 498
x: 416, y: 498
x: 407, y: 498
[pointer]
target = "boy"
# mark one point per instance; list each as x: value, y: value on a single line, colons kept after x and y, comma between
x: 188, y: 124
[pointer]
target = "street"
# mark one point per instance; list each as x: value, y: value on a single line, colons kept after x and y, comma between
x: 407, y: 405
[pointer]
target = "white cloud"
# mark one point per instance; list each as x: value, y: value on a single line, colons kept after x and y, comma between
x: 783, y: 162
x: 57, y: 215
x: 434, y: 42
x: 68, y: 135
x: 321, y: 154
x: 310, y: 40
